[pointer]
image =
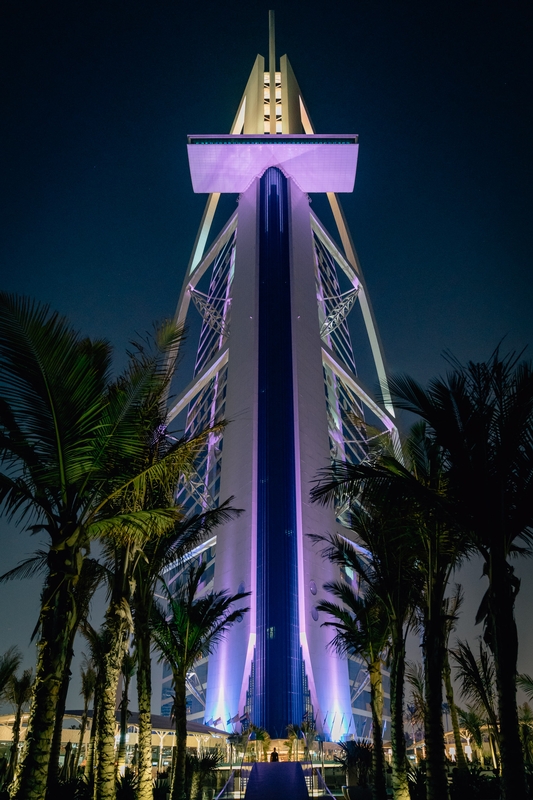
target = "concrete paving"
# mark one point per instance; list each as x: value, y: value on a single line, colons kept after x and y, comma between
x: 276, y: 781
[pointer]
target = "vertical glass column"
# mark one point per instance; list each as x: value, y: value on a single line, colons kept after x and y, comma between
x: 278, y: 691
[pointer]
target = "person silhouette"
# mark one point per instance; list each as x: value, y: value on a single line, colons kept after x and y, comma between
x: 274, y: 755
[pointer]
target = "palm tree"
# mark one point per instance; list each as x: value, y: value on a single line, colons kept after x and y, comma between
x: 525, y: 682
x: 203, y: 767
x: 69, y: 443
x: 9, y: 664
x: 418, y: 491
x: 481, y: 415
x: 189, y: 629
x: 53, y: 388
x: 414, y: 675
x: 96, y: 641
x: 88, y: 685
x: 477, y: 685
x: 293, y: 734
x: 441, y: 547
x: 128, y: 670
x: 83, y: 590
x: 471, y: 723
x: 257, y: 734
x: 309, y: 734
x: 451, y: 608
x: 18, y: 693
x: 166, y: 459
x: 115, y: 634
x: 387, y: 567
x: 159, y: 553
x: 89, y: 578
x: 525, y: 716
x: 361, y: 629
x: 357, y: 759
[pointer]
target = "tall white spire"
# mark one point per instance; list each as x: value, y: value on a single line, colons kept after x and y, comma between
x: 275, y: 358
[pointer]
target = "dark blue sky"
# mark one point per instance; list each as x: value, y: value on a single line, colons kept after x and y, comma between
x: 97, y: 213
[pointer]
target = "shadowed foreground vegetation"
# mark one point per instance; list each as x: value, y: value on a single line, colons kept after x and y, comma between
x: 88, y: 457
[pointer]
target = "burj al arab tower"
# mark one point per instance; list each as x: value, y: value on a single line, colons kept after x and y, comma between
x: 275, y: 357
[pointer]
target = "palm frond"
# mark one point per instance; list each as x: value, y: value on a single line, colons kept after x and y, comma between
x: 525, y: 682
x: 92, y: 575
x: 29, y: 568
x: 50, y: 374
x: 472, y: 722
x: 361, y: 624
x: 95, y: 639
x: 477, y: 678
x: 19, y: 690
x: 191, y: 627
x: 9, y: 663
x: 173, y: 545
x: 88, y: 681
x: 135, y: 526
x: 20, y: 499
x: 129, y: 665
x: 340, y: 551
x: 451, y: 607
x: 414, y: 675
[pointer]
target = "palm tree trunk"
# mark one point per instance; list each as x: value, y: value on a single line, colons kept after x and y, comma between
x: 104, y: 785
x: 121, y: 755
x: 82, y: 734
x: 400, y: 783
x: 505, y: 649
x: 434, y: 656
x: 91, y: 754
x: 58, y: 619
x: 55, y: 750
x: 196, y: 787
x: 13, y: 756
x: 180, y: 711
x: 460, y: 755
x: 144, y: 696
x: 493, y: 751
x: 379, y: 791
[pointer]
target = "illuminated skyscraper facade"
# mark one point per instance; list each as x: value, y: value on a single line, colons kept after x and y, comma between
x: 275, y: 358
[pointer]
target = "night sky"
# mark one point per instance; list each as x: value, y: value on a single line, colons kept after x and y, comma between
x: 98, y: 217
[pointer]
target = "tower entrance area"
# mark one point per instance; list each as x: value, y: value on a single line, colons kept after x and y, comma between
x: 281, y: 780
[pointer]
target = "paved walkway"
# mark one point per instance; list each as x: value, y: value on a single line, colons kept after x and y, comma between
x: 283, y: 780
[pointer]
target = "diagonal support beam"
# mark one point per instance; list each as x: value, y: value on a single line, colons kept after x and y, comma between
x: 198, y: 383
x: 358, y: 389
x: 366, y: 308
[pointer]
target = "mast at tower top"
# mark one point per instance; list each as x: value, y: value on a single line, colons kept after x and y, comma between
x: 272, y: 102
x: 272, y: 68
